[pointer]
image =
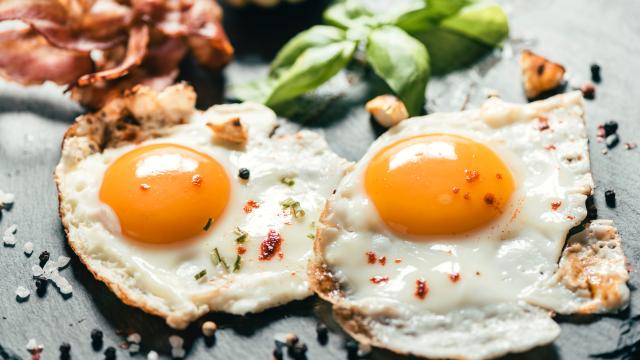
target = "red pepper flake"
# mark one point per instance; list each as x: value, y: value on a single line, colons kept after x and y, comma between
x: 455, y: 277
x: 371, y: 257
x: 270, y: 246
x: 250, y: 206
x: 455, y: 189
x: 543, y: 123
x: 550, y: 147
x: 397, y: 261
x: 379, y: 279
x: 241, y: 250
x: 571, y: 217
x: 555, y: 205
x: 196, y: 180
x: 489, y: 198
x: 499, y: 176
x: 422, y: 289
x: 630, y: 146
x: 145, y: 186
x: 382, y: 260
x: 467, y: 196
x: 471, y: 175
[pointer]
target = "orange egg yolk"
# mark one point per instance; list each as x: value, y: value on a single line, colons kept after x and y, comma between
x: 438, y: 184
x: 164, y: 193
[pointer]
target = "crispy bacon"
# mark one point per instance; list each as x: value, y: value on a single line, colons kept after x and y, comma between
x: 103, y: 47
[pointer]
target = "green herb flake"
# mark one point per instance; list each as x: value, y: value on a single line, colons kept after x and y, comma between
x: 237, y: 263
x: 208, y: 224
x: 200, y: 275
x: 311, y: 236
x: 289, y: 181
x: 241, y: 235
x: 294, y: 207
x: 217, y: 259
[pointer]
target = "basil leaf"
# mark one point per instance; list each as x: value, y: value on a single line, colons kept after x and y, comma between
x: 316, y: 36
x: 256, y: 91
x: 484, y: 22
x: 402, y: 62
x: 348, y: 14
x: 314, y: 67
x: 450, y: 50
x: 424, y: 18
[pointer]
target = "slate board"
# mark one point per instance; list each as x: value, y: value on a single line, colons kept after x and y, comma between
x: 32, y: 121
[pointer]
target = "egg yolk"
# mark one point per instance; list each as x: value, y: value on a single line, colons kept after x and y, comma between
x: 164, y: 193
x: 438, y: 184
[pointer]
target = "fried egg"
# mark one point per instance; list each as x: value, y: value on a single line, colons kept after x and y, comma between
x: 444, y: 240
x: 179, y: 221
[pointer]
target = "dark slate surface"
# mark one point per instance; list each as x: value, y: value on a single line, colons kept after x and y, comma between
x: 32, y: 121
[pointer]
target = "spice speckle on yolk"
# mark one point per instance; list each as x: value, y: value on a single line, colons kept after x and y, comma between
x: 164, y: 193
x: 410, y: 183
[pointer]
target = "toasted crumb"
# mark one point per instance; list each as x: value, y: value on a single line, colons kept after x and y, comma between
x: 209, y: 328
x: 231, y: 130
x: 539, y: 74
x: 388, y: 110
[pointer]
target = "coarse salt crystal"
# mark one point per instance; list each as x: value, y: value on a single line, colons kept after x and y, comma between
x: 134, y: 348
x: 28, y: 248
x: 22, y: 292
x: 134, y: 338
x: 63, y: 261
x: 31, y: 345
x: 36, y: 271
x: 9, y: 238
x: 50, y: 267
x: 61, y: 283
x: 152, y: 355
x: 176, y: 341
x: 177, y: 353
x: 6, y: 199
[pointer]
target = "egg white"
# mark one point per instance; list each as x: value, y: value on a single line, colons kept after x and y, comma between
x: 485, y: 313
x: 161, y: 279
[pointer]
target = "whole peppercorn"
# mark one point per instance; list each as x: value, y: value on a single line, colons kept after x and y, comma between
x: 44, y: 257
x: 96, y: 339
x: 610, y: 198
x: 610, y: 127
x: 41, y: 287
x: 65, y: 349
x: 352, y: 349
x: 277, y: 353
x: 595, y: 73
x: 298, y: 351
x: 244, y: 174
x: 323, y: 333
x: 110, y: 353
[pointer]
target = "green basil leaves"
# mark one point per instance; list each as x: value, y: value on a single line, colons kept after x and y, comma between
x: 401, y: 61
x: 401, y: 46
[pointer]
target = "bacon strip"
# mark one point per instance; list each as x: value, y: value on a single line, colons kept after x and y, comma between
x: 138, y: 42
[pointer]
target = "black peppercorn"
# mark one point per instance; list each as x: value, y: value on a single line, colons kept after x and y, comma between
x: 595, y: 73
x: 44, y: 257
x: 110, y: 353
x: 298, y: 351
x: 65, y: 348
x: 323, y: 333
x: 244, y: 173
x: 352, y: 349
x: 610, y: 198
x: 41, y: 287
x: 610, y: 127
x: 96, y: 339
x: 277, y: 353
x: 612, y: 140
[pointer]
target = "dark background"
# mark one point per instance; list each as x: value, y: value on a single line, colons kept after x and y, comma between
x: 574, y: 33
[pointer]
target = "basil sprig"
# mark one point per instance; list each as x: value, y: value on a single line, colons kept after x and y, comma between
x: 401, y: 46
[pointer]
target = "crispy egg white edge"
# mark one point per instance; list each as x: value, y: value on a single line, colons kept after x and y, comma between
x: 239, y: 295
x: 494, y: 329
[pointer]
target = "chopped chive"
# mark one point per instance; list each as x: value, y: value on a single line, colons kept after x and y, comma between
x: 208, y: 224
x: 289, y: 181
x: 237, y: 263
x: 217, y: 259
x: 242, y: 235
x: 294, y: 207
x: 311, y: 236
x: 200, y: 275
